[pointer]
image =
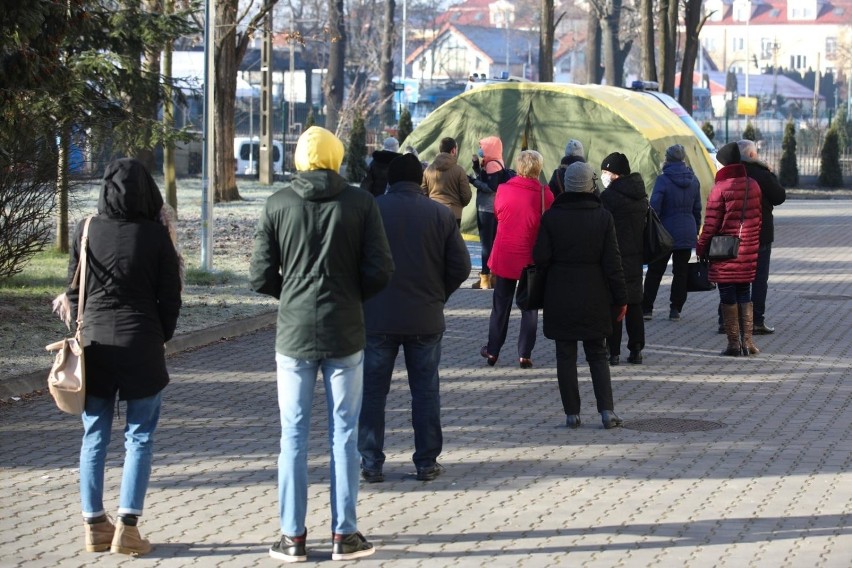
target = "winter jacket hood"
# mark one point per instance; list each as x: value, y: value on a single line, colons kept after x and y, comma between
x: 444, y: 161
x: 630, y: 186
x: 492, y: 154
x: 679, y: 173
x: 625, y: 199
x: 318, y: 149
x: 385, y: 156
x: 677, y: 200
x: 129, y: 192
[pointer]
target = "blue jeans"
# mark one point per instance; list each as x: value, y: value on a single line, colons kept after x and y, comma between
x: 422, y: 357
x: 760, y: 286
x: 343, y: 378
x: 142, y: 417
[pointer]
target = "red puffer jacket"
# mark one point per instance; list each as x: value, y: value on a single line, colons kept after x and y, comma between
x: 722, y: 217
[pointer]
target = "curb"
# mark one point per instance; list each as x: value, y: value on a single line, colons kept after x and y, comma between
x: 37, y: 380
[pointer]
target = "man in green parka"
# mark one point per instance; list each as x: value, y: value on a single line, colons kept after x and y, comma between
x: 320, y: 248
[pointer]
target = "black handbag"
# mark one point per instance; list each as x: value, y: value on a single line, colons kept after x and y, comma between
x: 657, y: 241
x: 726, y: 247
x: 530, y: 292
x: 698, y: 277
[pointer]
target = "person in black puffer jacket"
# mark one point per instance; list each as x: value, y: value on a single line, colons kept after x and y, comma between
x: 624, y: 197
x: 376, y: 180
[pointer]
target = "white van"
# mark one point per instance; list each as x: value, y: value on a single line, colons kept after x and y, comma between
x: 247, y: 153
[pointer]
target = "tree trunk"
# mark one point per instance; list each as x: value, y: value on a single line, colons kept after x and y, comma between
x: 593, y: 49
x: 386, y: 110
x: 668, y: 33
x: 169, y: 121
x: 613, y: 72
x: 309, y: 86
x: 649, y: 60
x: 545, y: 43
x: 147, y: 99
x: 225, y: 54
x: 62, y: 189
x: 693, y: 24
x: 334, y: 81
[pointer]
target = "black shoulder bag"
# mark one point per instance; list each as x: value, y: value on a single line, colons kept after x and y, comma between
x: 726, y: 247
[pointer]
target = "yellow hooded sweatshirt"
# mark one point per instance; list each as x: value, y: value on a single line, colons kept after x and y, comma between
x: 318, y: 149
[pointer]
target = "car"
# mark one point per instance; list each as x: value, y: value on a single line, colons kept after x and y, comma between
x: 247, y: 154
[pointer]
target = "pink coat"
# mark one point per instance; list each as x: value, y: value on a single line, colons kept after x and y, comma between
x: 722, y: 217
x: 518, y: 211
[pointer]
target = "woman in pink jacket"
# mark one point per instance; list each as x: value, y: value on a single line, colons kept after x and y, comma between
x: 728, y: 209
x: 518, y: 207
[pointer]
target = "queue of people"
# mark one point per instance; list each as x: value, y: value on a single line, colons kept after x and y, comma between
x: 359, y: 274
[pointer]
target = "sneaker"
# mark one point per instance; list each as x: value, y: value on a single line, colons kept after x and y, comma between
x: 429, y: 473
x: 350, y: 546
x: 290, y: 548
x: 371, y: 476
x: 647, y: 315
x: 674, y: 315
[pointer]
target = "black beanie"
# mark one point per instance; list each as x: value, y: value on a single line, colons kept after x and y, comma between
x: 616, y: 163
x: 405, y: 168
x: 729, y: 154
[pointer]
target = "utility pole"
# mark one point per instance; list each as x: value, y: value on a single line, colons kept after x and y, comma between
x: 169, y: 119
x: 266, y: 167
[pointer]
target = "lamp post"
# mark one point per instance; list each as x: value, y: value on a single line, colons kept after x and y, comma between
x: 404, y: 30
x: 748, y: 46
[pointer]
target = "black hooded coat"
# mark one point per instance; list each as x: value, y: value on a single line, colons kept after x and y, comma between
x: 625, y: 198
x: 132, y: 287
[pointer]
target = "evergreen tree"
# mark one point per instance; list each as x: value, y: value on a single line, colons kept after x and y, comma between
x: 789, y: 172
x: 844, y: 128
x: 708, y: 130
x: 310, y: 120
x: 749, y: 132
x: 356, y: 167
x: 830, y: 174
x: 405, y: 126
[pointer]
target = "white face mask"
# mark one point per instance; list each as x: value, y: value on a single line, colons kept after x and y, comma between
x: 606, y: 179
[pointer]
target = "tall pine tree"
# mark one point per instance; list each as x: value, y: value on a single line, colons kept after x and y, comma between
x: 356, y: 167
x: 830, y: 174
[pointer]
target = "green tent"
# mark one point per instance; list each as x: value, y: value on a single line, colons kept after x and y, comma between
x: 544, y: 116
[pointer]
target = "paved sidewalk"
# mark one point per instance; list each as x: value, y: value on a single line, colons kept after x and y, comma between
x: 755, y: 473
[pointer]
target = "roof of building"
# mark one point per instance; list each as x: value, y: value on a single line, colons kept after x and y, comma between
x: 774, y: 12
x: 477, y: 12
x: 492, y: 43
x: 759, y: 85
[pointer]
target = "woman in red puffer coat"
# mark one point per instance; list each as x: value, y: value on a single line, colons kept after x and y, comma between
x: 724, y: 215
x: 518, y: 207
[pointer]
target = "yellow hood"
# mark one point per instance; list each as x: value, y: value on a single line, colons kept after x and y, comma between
x: 318, y: 149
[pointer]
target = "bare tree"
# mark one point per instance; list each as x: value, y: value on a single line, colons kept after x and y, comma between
x: 668, y: 34
x: 649, y: 60
x: 614, y: 53
x: 386, y: 89
x: 334, y: 81
x: 545, y: 44
x: 229, y: 49
x: 594, y: 72
x: 693, y: 22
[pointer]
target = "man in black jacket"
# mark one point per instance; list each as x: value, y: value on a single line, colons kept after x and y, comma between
x: 431, y: 261
x: 772, y: 194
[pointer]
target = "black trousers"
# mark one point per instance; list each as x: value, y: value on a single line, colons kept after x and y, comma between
x: 677, y: 296
x: 498, y: 325
x: 486, y: 223
x: 566, y: 374
x: 635, y: 330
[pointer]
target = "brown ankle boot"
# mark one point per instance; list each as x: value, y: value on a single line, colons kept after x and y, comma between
x: 747, y: 315
x: 127, y: 540
x: 731, y: 321
x: 98, y: 535
x: 485, y: 281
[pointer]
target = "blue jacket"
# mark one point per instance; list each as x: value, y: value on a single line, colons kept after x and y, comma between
x: 677, y: 200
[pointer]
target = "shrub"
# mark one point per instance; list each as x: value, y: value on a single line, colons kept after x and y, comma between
x: 844, y: 128
x: 749, y: 132
x: 356, y: 167
x: 788, y: 175
x: 830, y: 174
x: 405, y: 126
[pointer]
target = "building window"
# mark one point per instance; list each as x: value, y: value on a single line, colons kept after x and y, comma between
x: 831, y: 48
x: 766, y: 48
x: 738, y: 44
x: 798, y: 61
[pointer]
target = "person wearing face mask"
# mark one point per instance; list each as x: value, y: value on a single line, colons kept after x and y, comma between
x: 624, y: 197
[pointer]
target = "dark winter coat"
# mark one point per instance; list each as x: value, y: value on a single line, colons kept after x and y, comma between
x: 430, y: 258
x: 376, y: 181
x: 677, y: 200
x: 625, y: 199
x: 772, y: 194
x: 132, y: 287
x: 557, y: 178
x: 578, y: 247
x: 724, y: 211
x: 320, y: 247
